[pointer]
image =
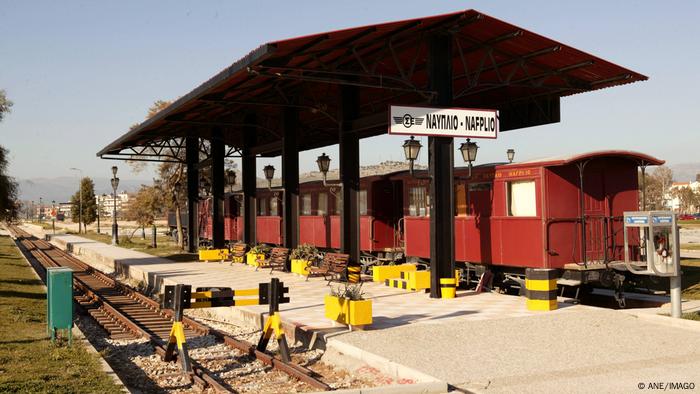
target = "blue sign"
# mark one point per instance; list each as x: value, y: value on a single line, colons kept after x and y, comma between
x: 663, y: 219
x: 637, y: 220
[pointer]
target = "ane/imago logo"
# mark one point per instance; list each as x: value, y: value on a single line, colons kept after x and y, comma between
x: 407, y: 120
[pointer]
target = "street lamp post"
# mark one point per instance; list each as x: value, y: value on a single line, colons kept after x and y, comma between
x: 101, y: 200
x: 80, y: 198
x: 41, y: 209
x: 53, y: 216
x: 115, y: 227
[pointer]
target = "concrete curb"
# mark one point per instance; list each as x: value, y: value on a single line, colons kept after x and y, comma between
x: 77, y: 333
x: 665, y: 320
x: 382, y: 364
x: 417, y: 388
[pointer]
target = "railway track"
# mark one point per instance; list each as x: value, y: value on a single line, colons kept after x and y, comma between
x: 127, y: 314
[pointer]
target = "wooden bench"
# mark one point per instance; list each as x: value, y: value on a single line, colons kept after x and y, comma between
x: 238, y: 252
x: 278, y: 259
x: 333, y: 266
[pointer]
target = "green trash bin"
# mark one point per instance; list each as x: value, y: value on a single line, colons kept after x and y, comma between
x: 59, y: 303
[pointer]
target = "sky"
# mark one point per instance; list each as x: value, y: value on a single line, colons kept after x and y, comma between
x: 80, y: 73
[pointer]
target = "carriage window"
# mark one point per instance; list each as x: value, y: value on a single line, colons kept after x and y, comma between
x: 363, y: 202
x: 262, y: 206
x: 322, y: 204
x: 418, y: 201
x: 306, y: 204
x: 338, y: 205
x: 274, y: 206
x: 521, y: 198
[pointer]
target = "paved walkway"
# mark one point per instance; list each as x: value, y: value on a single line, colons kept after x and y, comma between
x: 480, y: 343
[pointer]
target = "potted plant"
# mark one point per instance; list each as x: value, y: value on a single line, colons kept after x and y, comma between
x: 347, y: 305
x: 301, y: 258
x: 256, y: 253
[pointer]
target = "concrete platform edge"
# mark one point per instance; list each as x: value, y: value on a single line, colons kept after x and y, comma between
x: 382, y: 364
x: 665, y: 320
x: 416, y: 388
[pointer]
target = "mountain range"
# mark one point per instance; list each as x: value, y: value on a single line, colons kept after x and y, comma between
x: 61, y: 188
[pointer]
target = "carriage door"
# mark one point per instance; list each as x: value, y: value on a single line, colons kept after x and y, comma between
x: 594, y: 206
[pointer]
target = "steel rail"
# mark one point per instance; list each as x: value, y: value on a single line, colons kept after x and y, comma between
x: 39, y: 248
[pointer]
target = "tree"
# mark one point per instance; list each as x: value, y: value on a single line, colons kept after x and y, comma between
x: 658, y: 184
x: 5, y: 105
x: 89, y: 204
x: 145, y: 207
x: 9, y: 206
x: 688, y: 198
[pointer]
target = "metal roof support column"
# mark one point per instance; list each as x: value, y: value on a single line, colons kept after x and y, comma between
x: 441, y: 157
x: 217, y: 187
x: 290, y: 180
x: 192, y: 159
x: 249, y: 182
x: 349, y: 175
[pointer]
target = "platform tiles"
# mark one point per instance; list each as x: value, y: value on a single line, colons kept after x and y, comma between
x: 391, y: 306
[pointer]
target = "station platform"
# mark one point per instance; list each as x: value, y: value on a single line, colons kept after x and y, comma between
x: 391, y: 307
x: 475, y: 342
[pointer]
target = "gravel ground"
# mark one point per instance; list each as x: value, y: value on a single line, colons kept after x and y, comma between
x: 583, y: 350
x: 142, y: 370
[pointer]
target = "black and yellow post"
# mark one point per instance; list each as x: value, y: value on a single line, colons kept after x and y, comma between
x: 448, y: 287
x: 273, y: 293
x: 178, y: 298
x: 354, y: 273
x: 541, y: 289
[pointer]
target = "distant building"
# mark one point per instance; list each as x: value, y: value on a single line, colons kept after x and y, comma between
x: 673, y: 202
x: 105, y: 203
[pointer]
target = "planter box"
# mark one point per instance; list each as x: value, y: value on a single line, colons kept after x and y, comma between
x: 382, y: 272
x: 252, y: 258
x: 213, y: 254
x: 300, y: 267
x: 354, y: 313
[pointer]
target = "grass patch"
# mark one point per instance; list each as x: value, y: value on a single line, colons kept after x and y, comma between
x: 689, y: 223
x: 166, y: 247
x: 691, y: 278
x: 691, y: 316
x: 29, y: 362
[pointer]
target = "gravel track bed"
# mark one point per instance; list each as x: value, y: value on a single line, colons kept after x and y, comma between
x: 141, y: 369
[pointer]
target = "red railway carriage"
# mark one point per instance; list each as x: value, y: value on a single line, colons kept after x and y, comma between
x: 529, y: 214
x: 319, y: 220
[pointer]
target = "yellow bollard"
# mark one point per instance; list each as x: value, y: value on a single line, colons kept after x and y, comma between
x: 541, y: 289
x: 354, y: 274
x: 448, y: 287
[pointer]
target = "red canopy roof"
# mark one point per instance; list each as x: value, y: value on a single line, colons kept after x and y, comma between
x: 495, y: 65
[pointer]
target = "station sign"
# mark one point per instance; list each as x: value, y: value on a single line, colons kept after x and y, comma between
x: 443, y: 122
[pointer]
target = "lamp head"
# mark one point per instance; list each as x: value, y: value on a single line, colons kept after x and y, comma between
x: 231, y: 177
x: 114, y: 170
x: 269, y: 171
x: 324, y: 163
x: 411, y: 148
x: 511, y: 155
x: 469, y: 150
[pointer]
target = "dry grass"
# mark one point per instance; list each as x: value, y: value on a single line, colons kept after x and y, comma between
x: 29, y: 361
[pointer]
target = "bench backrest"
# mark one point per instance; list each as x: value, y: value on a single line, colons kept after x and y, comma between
x: 239, y: 249
x: 336, y: 261
x: 279, y: 255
